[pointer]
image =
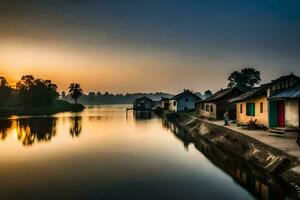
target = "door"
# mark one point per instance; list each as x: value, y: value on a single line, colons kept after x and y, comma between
x: 272, y: 114
x: 281, y: 114
x: 143, y: 105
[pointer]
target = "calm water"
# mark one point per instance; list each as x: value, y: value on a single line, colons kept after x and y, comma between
x: 102, y: 153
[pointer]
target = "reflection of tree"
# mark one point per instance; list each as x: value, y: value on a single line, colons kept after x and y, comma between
x: 5, y: 125
x: 36, y: 130
x: 75, y: 126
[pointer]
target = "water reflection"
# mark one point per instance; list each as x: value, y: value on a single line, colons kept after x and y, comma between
x: 5, y: 126
x: 40, y: 129
x: 75, y: 126
x: 259, y: 182
x: 31, y: 130
x: 143, y: 115
x: 181, y: 134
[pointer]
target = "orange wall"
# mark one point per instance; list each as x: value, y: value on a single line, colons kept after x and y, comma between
x: 262, y: 118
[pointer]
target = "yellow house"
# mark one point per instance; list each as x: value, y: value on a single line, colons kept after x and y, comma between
x: 252, y: 106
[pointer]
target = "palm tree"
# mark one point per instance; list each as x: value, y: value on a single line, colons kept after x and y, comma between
x: 3, y: 82
x: 75, y: 91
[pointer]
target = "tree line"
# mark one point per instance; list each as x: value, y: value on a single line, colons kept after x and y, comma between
x: 98, y: 98
x: 34, y: 92
x: 41, y: 92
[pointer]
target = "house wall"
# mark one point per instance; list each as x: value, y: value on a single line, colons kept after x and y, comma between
x: 207, y: 114
x: 172, y: 107
x: 145, y: 102
x: 292, y: 113
x: 162, y: 104
x: 262, y: 118
x: 187, y: 101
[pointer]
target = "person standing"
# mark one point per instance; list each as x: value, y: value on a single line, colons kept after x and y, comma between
x: 226, y: 118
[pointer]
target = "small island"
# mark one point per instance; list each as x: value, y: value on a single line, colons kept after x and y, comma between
x: 36, y: 97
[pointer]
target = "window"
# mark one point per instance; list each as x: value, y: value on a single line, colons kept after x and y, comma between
x: 273, y: 87
x: 202, y: 106
x: 286, y: 83
x: 281, y: 85
x: 261, y: 107
x: 241, y: 108
x: 211, y: 108
x: 207, y: 108
x: 187, y: 99
x: 250, y: 109
x: 174, y: 103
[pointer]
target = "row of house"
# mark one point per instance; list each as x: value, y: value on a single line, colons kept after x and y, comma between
x: 181, y: 102
x: 275, y: 105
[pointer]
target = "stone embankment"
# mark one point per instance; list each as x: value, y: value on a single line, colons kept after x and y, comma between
x: 255, y: 152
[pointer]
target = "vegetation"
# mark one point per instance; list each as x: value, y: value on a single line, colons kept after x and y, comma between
x: 98, y: 98
x: 75, y: 91
x: 37, y: 91
x: 33, y: 96
x: 5, y: 90
x: 207, y: 93
x: 244, y: 80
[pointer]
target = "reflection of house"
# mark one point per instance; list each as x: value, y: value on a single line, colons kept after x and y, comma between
x: 183, y: 101
x: 257, y: 181
x: 143, y: 104
x: 143, y: 115
x: 284, y: 111
x: 253, y: 106
x: 215, y: 106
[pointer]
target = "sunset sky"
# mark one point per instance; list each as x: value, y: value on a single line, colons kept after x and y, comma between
x: 146, y: 46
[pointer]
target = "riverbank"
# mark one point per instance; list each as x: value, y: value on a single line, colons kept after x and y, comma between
x: 58, y: 106
x: 263, y: 153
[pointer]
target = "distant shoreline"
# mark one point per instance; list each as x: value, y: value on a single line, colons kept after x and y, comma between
x: 59, y: 106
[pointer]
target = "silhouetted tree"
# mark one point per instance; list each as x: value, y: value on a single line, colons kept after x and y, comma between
x: 207, y: 93
x: 75, y: 91
x: 5, y: 89
x: 37, y: 91
x: 245, y: 79
x: 63, y: 94
x: 92, y: 97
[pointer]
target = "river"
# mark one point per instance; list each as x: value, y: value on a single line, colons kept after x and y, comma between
x: 105, y: 152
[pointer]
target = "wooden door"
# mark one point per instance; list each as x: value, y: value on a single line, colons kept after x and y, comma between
x: 272, y: 114
x: 280, y: 114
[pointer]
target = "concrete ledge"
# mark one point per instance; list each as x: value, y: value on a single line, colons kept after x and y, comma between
x: 273, y: 154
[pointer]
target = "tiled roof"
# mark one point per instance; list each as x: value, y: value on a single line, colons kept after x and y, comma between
x: 186, y: 92
x: 248, y: 95
x: 218, y: 95
x: 144, y: 97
